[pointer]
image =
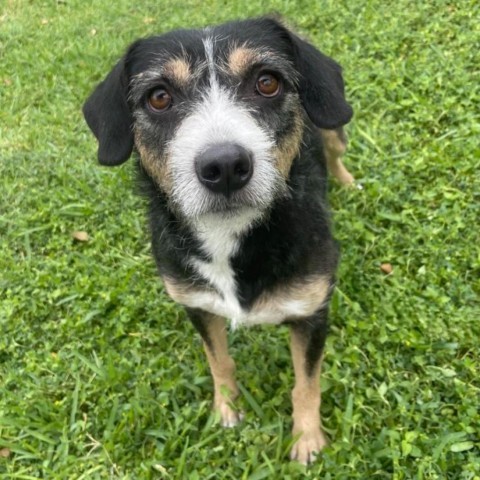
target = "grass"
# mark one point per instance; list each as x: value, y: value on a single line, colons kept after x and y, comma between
x: 102, y: 376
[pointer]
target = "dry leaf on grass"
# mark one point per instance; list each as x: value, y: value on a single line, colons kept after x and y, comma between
x: 80, y: 236
x: 386, y: 268
x: 5, y: 452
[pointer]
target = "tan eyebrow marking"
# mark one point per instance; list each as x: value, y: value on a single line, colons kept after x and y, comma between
x: 178, y: 69
x: 241, y: 58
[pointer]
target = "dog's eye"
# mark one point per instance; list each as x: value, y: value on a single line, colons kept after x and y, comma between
x: 268, y: 85
x: 159, y: 100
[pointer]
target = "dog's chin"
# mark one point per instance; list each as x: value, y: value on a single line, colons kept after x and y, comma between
x: 225, y: 207
x: 229, y: 209
x: 234, y: 219
x: 242, y: 216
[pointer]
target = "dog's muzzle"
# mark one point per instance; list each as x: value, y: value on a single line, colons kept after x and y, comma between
x: 224, y: 168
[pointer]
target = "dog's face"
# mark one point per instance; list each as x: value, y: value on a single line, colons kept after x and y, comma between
x: 217, y: 119
x: 217, y: 115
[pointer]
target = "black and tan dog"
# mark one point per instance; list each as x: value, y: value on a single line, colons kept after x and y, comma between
x: 226, y: 124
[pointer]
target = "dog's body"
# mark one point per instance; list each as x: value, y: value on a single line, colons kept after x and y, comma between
x: 225, y: 121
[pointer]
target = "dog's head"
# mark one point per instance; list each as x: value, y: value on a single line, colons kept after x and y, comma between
x: 217, y: 115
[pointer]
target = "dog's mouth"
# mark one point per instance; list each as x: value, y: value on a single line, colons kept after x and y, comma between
x: 199, y: 201
x: 229, y: 206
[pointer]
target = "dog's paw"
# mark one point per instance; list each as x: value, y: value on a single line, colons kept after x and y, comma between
x: 308, y: 446
x: 346, y: 178
x: 229, y: 417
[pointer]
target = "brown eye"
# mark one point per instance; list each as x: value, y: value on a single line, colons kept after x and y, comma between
x: 268, y: 85
x: 159, y: 100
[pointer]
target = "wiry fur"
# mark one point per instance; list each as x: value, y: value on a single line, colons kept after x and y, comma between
x: 263, y: 253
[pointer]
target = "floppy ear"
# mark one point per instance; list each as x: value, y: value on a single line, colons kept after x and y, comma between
x: 321, y: 86
x: 108, y: 115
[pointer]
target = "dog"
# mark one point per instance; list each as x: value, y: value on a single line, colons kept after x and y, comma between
x: 226, y: 124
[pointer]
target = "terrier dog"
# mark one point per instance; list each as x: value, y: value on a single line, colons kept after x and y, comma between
x: 227, y: 125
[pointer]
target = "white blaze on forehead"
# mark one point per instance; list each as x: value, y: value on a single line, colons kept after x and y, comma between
x: 208, y: 45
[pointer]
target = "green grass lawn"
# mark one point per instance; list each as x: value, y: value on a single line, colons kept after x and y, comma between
x: 103, y: 377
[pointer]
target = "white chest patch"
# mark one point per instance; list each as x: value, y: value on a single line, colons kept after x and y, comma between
x: 220, y: 239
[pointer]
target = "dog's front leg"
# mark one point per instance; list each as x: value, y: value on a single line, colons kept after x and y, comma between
x: 213, y: 330
x: 307, y: 342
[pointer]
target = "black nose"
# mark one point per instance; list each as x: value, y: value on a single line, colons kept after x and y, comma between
x: 224, y: 168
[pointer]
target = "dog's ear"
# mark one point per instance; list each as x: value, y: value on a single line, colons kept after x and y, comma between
x: 108, y: 115
x: 321, y: 86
